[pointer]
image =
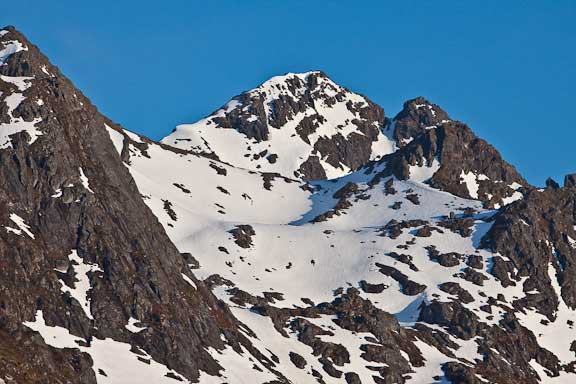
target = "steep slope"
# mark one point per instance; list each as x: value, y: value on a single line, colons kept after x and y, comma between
x: 298, y: 125
x: 92, y: 289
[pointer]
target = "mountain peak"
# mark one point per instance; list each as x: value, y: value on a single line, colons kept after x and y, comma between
x: 20, y: 58
x: 301, y: 125
x: 305, y: 87
x: 21, y: 66
x: 10, y: 28
x: 417, y: 116
x: 11, y: 42
x: 455, y: 160
x: 416, y: 103
x: 299, y: 75
x: 314, y: 84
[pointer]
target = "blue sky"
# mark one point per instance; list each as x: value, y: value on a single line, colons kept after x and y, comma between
x: 507, y: 68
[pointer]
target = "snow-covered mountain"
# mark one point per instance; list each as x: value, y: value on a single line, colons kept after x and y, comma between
x: 124, y: 260
x: 301, y: 126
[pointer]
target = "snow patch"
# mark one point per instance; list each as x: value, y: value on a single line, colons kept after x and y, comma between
x: 82, y: 271
x: 510, y: 199
x: 117, y: 138
x: 57, y: 193
x: 423, y: 173
x: 470, y: 179
x: 132, y: 327
x: 84, y: 180
x: 21, y: 224
x: 17, y: 124
x: 45, y: 70
x: 10, y: 48
x: 189, y: 281
x: 21, y: 82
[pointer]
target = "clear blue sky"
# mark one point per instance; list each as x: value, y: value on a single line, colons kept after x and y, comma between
x: 507, y: 68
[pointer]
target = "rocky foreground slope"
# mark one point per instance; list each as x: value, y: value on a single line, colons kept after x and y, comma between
x: 368, y: 250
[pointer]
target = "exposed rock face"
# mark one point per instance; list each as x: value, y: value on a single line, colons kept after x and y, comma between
x: 458, y: 162
x: 570, y: 181
x: 537, y: 235
x: 68, y: 202
x: 496, y: 343
x: 352, y: 313
x: 331, y: 130
x: 417, y: 116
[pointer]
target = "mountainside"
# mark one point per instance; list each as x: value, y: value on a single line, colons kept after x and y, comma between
x: 370, y: 250
x: 85, y: 262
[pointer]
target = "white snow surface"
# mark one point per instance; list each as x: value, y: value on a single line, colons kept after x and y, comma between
x: 82, y: 272
x: 471, y: 181
x: 424, y: 172
x: 22, y: 226
x: 9, y: 48
x: 84, y: 180
x: 132, y: 327
x: 322, y: 257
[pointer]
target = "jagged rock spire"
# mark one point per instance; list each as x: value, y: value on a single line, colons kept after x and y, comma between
x: 416, y: 116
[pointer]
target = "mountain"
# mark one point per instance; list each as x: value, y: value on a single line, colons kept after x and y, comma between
x: 93, y: 290
x: 125, y: 260
x: 301, y: 126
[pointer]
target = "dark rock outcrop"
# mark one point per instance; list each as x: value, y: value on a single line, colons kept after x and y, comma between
x: 243, y: 235
x: 459, y: 154
x: 416, y: 117
x: 535, y: 234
